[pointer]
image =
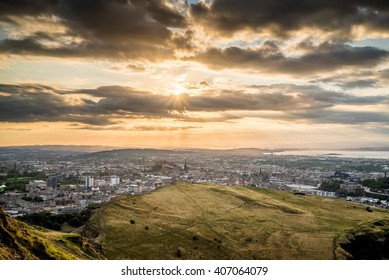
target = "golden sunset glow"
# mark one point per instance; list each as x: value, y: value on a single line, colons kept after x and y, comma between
x: 214, y: 74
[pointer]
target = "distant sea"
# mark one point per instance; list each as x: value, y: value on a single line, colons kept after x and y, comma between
x: 337, y: 153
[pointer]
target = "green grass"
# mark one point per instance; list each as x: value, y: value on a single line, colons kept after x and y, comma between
x: 19, y: 179
x: 216, y: 222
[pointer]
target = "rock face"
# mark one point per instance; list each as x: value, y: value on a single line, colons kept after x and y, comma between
x: 21, y: 241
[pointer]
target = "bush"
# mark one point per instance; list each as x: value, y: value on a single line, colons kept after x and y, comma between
x: 75, y: 222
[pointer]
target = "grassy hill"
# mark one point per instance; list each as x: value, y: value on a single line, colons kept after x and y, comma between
x: 200, y: 221
x: 19, y: 240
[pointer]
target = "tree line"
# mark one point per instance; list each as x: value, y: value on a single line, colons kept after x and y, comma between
x: 56, y: 221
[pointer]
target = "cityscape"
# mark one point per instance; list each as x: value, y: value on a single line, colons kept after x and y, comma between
x: 69, y: 183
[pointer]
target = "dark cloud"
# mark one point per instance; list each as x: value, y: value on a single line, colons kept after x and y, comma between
x: 161, y: 12
x: 359, y: 79
x: 26, y: 88
x: 184, y: 41
x: 338, y: 117
x: 325, y: 57
x: 369, y: 83
x: 29, y: 105
x: 112, y: 21
x: 312, y: 96
x: 112, y: 92
x: 27, y: 7
x: 159, y: 29
x: 30, y: 46
x: 199, y: 85
x: 384, y: 74
x: 117, y: 28
x: 134, y: 128
x: 162, y: 128
x: 33, y: 103
x: 236, y: 100
x: 281, y: 17
x: 129, y: 100
x: 15, y: 129
x: 204, y: 84
x: 136, y: 68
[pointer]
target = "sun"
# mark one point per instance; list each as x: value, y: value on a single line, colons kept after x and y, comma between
x: 179, y: 85
x: 177, y: 89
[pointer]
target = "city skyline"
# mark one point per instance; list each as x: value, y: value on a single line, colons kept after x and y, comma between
x: 195, y: 74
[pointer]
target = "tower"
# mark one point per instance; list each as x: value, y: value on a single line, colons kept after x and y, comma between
x: 89, y: 181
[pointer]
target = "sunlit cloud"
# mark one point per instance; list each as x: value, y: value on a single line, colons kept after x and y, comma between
x: 199, y: 73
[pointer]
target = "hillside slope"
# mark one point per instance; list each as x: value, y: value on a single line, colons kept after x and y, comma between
x: 185, y: 221
x: 21, y: 241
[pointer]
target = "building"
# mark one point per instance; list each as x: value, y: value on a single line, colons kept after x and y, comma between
x: 89, y: 181
x: 100, y: 183
x: 36, y: 184
x: 52, y: 182
x: 115, y: 180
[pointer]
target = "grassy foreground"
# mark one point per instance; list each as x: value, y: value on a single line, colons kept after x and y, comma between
x: 19, y: 240
x: 201, y: 221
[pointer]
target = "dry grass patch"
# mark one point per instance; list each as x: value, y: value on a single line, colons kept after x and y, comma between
x: 227, y: 223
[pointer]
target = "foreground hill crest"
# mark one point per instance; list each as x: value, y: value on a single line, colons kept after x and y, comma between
x: 201, y: 221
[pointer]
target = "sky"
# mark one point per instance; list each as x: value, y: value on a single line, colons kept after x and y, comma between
x: 195, y: 74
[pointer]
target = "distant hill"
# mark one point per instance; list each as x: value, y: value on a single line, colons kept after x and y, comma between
x: 63, y: 148
x: 46, y: 152
x: 21, y: 241
x: 201, y: 221
x: 125, y: 154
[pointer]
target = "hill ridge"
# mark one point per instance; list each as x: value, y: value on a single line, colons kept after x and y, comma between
x: 203, y: 221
